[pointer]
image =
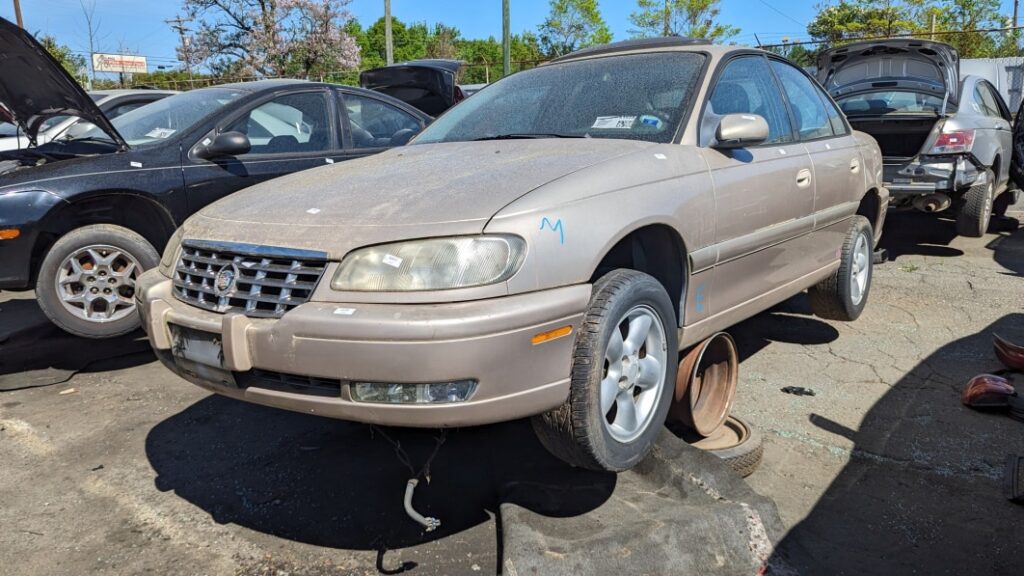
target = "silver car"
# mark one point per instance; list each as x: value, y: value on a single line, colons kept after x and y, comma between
x: 544, y: 249
x: 946, y: 140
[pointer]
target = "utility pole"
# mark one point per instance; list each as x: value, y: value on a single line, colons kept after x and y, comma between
x: 389, y: 47
x: 932, y: 35
x: 1016, y: 5
x: 506, y: 38
x: 667, y: 31
x: 179, y: 25
x: 21, y: 23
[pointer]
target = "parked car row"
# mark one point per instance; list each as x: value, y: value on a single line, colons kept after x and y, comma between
x: 545, y: 249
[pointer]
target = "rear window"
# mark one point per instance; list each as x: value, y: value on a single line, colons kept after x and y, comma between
x: 891, y: 102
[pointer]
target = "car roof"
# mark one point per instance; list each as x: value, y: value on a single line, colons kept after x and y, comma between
x: 270, y: 84
x: 670, y: 43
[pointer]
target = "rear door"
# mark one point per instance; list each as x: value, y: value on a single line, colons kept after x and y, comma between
x: 371, y: 125
x: 289, y: 132
x: 995, y: 136
x: 764, y: 194
x: 835, y: 158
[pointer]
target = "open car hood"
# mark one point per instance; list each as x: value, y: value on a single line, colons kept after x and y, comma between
x: 428, y: 85
x: 903, y: 64
x: 34, y: 87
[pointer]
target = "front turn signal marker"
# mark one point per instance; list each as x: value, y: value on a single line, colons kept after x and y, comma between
x: 551, y: 335
x: 9, y: 233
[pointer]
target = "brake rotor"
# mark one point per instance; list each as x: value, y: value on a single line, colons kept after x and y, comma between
x: 706, y: 384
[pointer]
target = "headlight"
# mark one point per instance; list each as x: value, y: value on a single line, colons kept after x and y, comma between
x: 171, y: 253
x: 431, y: 264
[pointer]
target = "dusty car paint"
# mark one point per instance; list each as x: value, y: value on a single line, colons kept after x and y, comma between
x: 754, y: 226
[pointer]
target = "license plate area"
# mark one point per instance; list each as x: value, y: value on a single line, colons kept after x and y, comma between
x: 201, y: 355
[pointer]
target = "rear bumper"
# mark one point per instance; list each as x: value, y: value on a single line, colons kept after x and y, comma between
x: 929, y: 175
x: 488, y: 341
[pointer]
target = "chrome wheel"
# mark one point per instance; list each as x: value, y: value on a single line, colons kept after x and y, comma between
x: 861, y: 270
x: 97, y: 283
x: 634, y: 374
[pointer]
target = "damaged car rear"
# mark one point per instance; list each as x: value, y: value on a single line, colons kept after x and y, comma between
x: 945, y: 140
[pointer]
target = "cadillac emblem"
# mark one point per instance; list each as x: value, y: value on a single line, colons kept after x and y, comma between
x: 224, y: 281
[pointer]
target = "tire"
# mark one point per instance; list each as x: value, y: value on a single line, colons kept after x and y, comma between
x: 737, y: 443
x: 976, y: 212
x: 104, y: 255
x: 579, y: 432
x: 836, y: 298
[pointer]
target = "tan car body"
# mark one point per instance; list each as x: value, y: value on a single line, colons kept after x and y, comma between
x: 746, y: 233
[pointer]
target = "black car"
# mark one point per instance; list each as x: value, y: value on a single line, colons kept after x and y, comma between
x: 80, y: 219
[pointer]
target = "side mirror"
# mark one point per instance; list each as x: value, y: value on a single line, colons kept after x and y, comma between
x: 740, y: 130
x: 226, y: 144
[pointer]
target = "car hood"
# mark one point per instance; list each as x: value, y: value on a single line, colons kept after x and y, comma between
x: 428, y: 85
x: 410, y: 192
x: 34, y: 86
x: 917, y: 65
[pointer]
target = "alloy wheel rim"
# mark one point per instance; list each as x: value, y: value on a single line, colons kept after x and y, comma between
x: 97, y: 283
x: 861, y: 269
x: 635, y: 361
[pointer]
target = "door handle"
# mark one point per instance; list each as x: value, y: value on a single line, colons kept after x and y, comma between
x: 854, y: 165
x: 803, y: 178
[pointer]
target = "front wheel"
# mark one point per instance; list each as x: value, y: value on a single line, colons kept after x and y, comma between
x: 86, y: 284
x: 623, y: 376
x: 843, y: 295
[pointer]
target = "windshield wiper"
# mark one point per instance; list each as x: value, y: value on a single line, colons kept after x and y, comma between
x: 527, y: 136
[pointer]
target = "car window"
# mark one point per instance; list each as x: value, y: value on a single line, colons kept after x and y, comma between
x: 287, y: 124
x: 374, y: 123
x: 628, y: 97
x: 122, y: 109
x: 987, y: 100
x: 809, y: 112
x: 746, y: 86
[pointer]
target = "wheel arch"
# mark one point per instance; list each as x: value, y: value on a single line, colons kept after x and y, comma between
x: 872, y: 207
x: 657, y: 249
x: 128, y: 209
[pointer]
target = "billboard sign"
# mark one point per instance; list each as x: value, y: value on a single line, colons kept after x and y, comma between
x: 122, y: 63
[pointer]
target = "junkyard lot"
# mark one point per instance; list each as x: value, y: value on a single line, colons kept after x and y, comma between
x: 882, y: 471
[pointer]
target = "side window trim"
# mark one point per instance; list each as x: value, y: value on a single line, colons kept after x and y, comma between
x: 716, y: 78
x: 253, y: 105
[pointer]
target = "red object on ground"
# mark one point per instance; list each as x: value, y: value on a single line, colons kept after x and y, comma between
x: 987, y: 391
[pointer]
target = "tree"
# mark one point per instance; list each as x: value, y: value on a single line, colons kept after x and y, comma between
x: 410, y: 42
x: 571, y: 25
x: 269, y: 37
x: 73, y: 63
x: 852, y: 19
x: 970, y: 15
x: 690, y: 18
x: 92, y: 30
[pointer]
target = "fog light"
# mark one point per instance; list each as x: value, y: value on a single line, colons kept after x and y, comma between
x: 433, y: 393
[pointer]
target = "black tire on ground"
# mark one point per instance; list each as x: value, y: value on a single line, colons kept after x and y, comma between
x: 576, y: 431
x: 737, y: 443
x: 833, y: 298
x: 108, y: 235
x: 976, y: 212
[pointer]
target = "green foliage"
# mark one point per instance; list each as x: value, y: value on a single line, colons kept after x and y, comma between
x: 74, y: 64
x: 571, y: 25
x: 691, y: 18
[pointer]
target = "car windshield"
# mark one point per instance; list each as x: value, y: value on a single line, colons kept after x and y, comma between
x: 890, y: 102
x: 635, y: 97
x: 154, y: 123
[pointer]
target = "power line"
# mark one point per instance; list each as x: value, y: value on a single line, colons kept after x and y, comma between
x: 781, y: 13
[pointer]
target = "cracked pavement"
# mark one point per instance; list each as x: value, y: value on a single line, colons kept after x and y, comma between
x: 121, y: 468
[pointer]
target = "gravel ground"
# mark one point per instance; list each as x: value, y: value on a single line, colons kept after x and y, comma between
x: 120, y: 468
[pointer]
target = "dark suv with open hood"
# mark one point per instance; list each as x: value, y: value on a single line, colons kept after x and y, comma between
x: 946, y: 140
x: 82, y: 218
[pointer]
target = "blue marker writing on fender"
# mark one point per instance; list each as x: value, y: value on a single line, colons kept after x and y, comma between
x: 556, y: 227
x: 698, y: 298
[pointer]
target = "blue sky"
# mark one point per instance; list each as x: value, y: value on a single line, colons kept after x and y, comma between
x: 138, y: 25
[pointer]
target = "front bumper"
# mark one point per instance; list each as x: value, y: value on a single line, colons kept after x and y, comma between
x: 929, y: 175
x: 488, y: 341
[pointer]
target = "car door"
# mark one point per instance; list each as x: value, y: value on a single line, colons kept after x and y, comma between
x: 996, y: 131
x: 372, y: 125
x: 288, y: 132
x: 835, y: 158
x: 763, y: 194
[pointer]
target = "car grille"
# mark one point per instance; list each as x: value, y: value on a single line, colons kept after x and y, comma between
x: 265, y: 282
